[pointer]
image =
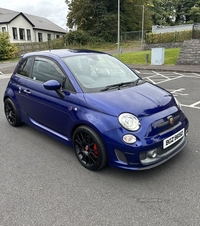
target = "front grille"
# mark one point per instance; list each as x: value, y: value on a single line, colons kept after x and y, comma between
x: 162, y: 125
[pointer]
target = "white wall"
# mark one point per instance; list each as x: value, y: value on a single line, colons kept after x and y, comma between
x: 21, y: 22
x: 45, y: 35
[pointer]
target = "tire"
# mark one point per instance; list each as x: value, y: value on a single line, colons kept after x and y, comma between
x: 89, y: 148
x: 11, y: 113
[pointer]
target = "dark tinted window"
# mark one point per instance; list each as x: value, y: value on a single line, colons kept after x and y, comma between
x: 25, y: 67
x: 45, y: 69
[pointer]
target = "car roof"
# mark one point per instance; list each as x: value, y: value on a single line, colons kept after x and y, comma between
x: 63, y: 52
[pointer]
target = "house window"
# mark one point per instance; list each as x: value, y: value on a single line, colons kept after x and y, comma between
x: 57, y: 36
x: 40, y: 37
x: 28, y: 33
x: 3, y: 29
x: 21, y: 34
x: 14, y: 30
x: 48, y: 37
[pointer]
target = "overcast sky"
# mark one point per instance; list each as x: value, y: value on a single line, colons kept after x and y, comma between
x: 55, y: 11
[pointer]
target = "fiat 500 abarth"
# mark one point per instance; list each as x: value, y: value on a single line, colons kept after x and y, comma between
x: 97, y: 105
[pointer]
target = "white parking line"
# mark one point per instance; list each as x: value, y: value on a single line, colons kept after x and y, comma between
x: 170, y: 79
x: 150, y: 80
x: 190, y: 106
x: 137, y: 71
x: 161, y: 75
x: 177, y: 92
x: 194, y: 105
x: 196, y: 74
x: 2, y: 76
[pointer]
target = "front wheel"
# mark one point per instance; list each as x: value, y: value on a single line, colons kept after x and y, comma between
x: 89, y: 148
x: 11, y: 113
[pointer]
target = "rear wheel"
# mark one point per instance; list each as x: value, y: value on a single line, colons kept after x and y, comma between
x: 11, y: 113
x: 89, y: 148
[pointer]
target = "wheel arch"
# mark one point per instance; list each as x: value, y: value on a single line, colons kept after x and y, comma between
x: 90, y: 125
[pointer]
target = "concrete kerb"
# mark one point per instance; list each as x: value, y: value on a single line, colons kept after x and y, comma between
x: 2, y: 76
x: 175, y: 68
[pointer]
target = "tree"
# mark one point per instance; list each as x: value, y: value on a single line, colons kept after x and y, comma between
x: 7, y: 49
x: 187, y: 11
x: 195, y: 14
x: 100, y: 17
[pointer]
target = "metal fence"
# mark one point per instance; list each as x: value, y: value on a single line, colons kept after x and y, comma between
x: 196, y: 31
x: 133, y: 35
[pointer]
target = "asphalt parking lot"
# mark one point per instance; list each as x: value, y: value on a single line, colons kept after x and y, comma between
x: 184, y: 86
x: 42, y: 183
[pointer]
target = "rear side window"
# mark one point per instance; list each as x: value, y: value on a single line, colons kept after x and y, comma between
x: 25, y: 67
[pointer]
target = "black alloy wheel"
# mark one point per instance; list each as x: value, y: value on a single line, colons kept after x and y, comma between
x: 89, y: 148
x: 11, y: 113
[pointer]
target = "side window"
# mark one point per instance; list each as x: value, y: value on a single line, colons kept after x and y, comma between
x: 25, y: 67
x: 68, y: 85
x: 46, y: 69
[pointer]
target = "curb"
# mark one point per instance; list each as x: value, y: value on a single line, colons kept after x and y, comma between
x: 2, y: 76
x: 174, y: 68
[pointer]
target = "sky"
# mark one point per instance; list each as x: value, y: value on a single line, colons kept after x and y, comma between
x: 55, y: 11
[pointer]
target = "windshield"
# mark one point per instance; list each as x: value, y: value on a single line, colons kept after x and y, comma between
x: 95, y: 72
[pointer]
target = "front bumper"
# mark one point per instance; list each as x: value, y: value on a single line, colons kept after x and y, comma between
x: 132, y: 157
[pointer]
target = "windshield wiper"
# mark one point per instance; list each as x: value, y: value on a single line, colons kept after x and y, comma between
x: 118, y: 85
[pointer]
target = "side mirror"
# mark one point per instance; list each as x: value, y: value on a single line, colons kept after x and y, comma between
x: 54, y: 85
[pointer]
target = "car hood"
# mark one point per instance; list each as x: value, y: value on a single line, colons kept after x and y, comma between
x: 141, y: 100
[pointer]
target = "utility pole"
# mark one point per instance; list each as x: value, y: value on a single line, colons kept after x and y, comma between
x: 118, y: 36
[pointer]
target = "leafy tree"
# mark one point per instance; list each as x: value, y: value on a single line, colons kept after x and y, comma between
x: 100, y: 17
x: 195, y: 14
x: 187, y: 11
x: 168, y: 12
x: 7, y: 49
x: 164, y: 12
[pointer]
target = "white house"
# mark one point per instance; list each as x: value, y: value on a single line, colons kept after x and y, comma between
x: 24, y: 28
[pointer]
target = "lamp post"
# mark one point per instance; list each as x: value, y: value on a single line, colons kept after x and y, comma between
x: 142, y: 38
x: 118, y: 36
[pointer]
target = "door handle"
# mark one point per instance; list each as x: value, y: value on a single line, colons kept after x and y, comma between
x: 27, y: 91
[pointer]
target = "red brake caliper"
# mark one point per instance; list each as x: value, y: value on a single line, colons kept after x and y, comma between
x: 95, y: 149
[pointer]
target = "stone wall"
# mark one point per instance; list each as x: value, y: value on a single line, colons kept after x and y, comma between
x: 30, y: 47
x: 190, y: 53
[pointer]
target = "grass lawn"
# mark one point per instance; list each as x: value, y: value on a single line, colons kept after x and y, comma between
x: 170, y: 57
x: 134, y: 57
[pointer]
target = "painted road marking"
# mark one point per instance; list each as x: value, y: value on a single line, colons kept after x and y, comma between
x: 177, y: 92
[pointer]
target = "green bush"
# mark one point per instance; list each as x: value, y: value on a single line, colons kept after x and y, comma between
x: 7, y: 49
x: 168, y: 37
x: 81, y: 38
x: 78, y: 37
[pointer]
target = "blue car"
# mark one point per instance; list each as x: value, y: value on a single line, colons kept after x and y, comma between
x: 94, y: 103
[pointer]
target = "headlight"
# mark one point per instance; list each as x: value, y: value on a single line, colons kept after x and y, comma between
x: 177, y: 102
x: 129, y: 121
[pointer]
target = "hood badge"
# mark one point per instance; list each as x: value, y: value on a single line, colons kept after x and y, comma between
x: 171, y: 120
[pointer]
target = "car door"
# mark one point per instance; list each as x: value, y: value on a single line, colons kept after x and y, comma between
x: 18, y: 81
x: 45, y: 108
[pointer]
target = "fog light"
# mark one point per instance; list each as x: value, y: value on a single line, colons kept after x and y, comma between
x: 186, y: 133
x: 129, y: 139
x: 152, y: 154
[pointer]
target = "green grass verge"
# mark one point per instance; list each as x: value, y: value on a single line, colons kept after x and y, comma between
x: 170, y: 57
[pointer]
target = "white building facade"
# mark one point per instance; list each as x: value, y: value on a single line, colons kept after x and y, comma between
x: 25, y: 28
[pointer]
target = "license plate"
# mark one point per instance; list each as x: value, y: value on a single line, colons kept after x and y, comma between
x: 173, y: 139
